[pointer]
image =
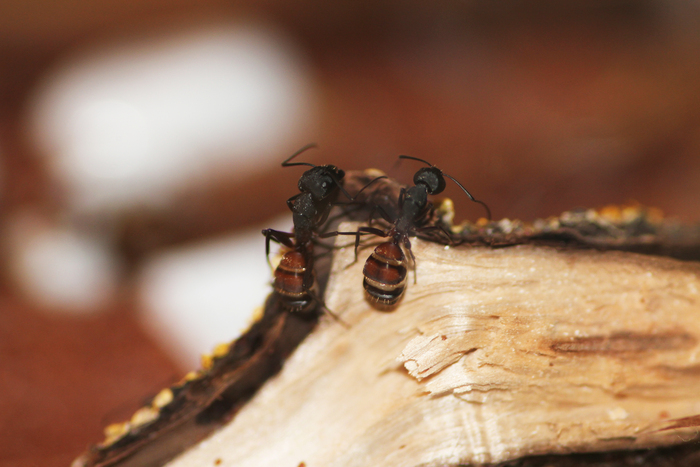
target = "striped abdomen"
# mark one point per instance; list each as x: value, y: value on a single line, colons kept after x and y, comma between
x: 385, y: 274
x: 290, y: 284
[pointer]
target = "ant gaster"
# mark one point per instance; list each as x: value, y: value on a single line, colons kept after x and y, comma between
x: 320, y: 186
x: 385, y: 270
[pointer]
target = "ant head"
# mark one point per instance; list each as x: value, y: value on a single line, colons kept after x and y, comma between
x: 432, y: 178
x: 321, y: 181
x: 434, y: 181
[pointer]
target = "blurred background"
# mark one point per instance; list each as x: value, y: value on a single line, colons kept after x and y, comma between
x: 140, y: 145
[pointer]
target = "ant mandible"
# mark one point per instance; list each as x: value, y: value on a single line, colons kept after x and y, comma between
x: 385, y: 270
x: 320, y: 186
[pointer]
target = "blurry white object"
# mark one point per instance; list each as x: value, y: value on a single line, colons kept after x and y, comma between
x: 199, y: 296
x: 59, y: 268
x: 127, y: 124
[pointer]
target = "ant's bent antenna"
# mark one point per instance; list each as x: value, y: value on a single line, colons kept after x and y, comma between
x: 416, y: 159
x: 488, y: 210
x: 286, y: 163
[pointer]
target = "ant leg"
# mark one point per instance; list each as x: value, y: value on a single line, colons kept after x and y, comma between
x: 308, y: 284
x: 382, y: 212
x: 360, y: 231
x: 370, y: 231
x: 351, y: 198
x: 447, y: 234
x: 441, y: 229
x: 290, y: 201
x: 345, y: 212
x: 402, y: 196
x: 330, y: 313
x: 278, y: 236
x: 407, y: 244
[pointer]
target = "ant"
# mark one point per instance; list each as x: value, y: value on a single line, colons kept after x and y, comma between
x: 385, y: 270
x: 320, y: 186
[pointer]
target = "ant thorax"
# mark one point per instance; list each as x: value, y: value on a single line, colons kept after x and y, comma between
x: 414, y: 207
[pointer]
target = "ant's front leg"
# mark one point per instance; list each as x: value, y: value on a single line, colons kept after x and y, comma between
x: 382, y: 212
x: 402, y: 197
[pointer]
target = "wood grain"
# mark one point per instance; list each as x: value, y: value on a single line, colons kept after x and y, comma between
x: 493, y: 354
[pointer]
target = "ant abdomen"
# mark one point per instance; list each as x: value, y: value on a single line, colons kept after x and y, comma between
x: 291, y: 281
x: 385, y: 274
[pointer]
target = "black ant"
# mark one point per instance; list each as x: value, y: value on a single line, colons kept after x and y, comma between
x: 385, y: 270
x: 320, y: 186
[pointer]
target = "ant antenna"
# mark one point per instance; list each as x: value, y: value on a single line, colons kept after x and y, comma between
x: 419, y: 160
x: 286, y: 163
x: 363, y: 188
x: 488, y: 210
x: 347, y: 195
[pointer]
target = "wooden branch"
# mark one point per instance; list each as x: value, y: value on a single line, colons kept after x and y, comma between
x: 187, y: 412
x: 524, y: 339
x: 493, y: 354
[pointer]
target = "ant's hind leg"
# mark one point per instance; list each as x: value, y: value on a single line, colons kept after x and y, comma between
x: 308, y: 286
x: 440, y: 229
x: 369, y: 231
x: 407, y: 244
x: 322, y: 304
x: 284, y: 238
x: 336, y: 233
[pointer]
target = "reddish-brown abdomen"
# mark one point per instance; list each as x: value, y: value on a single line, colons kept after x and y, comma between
x: 385, y: 274
x: 289, y: 281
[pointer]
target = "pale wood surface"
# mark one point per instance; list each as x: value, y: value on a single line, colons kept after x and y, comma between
x: 493, y: 354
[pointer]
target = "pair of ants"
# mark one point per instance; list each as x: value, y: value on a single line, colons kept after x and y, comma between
x: 385, y: 270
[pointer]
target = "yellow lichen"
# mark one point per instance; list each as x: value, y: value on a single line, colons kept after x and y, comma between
x: 446, y: 211
x: 143, y: 416
x: 611, y: 213
x: 192, y: 375
x: 163, y: 398
x: 207, y: 361
x: 115, y: 431
x: 221, y: 349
